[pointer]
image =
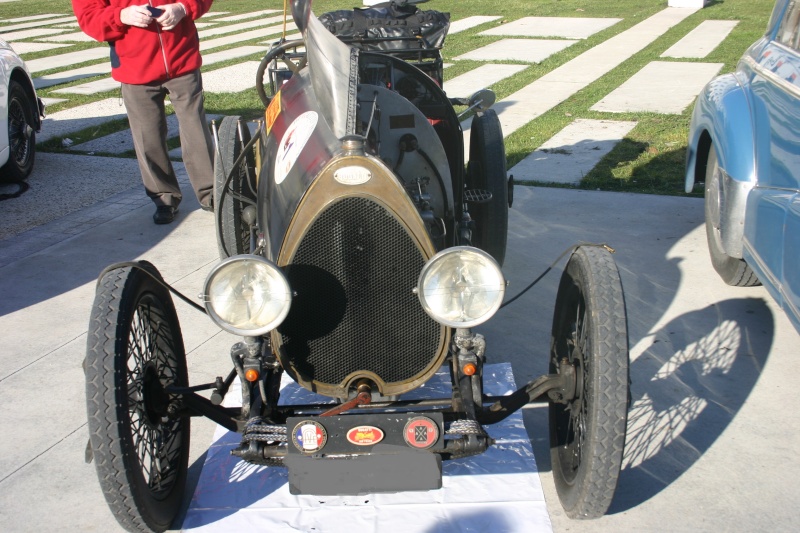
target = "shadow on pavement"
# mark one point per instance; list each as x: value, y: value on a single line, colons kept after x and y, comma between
x: 687, y: 388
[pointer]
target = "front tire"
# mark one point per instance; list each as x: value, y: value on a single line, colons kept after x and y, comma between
x: 230, y: 201
x: 587, y: 431
x: 21, y: 134
x: 732, y: 270
x: 139, y: 441
x: 487, y: 171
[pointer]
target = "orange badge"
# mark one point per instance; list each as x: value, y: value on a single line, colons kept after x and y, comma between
x: 365, y: 435
x: 273, y: 110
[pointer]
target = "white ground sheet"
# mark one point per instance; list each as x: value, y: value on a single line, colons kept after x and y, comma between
x: 496, y: 491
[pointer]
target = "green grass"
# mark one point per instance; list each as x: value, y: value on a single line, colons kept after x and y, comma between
x: 649, y: 160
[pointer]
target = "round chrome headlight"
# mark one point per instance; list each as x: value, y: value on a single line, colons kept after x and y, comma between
x: 461, y: 287
x: 247, y: 295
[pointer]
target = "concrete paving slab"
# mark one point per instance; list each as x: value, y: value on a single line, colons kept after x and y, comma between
x: 233, y: 28
x: 52, y: 101
x: 202, y: 25
x: 109, y: 84
x: 565, y: 27
x: 702, y: 40
x: 250, y: 15
x: 29, y: 34
x: 71, y: 58
x: 29, y: 48
x: 240, y: 77
x: 232, y: 79
x: 571, y: 153
x: 688, y: 3
x: 92, y: 87
x: 35, y: 24
x: 48, y: 80
x: 211, y: 14
x: 233, y: 53
x: 528, y: 50
x: 481, y: 77
x: 466, y: 23
x: 84, y: 116
x: 74, y: 37
x: 208, y: 44
x: 558, y: 85
x: 660, y: 87
x: 34, y: 17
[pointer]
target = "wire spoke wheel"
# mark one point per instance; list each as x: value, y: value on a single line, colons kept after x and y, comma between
x: 587, y: 431
x: 139, y: 440
x: 234, y: 187
x: 282, y: 60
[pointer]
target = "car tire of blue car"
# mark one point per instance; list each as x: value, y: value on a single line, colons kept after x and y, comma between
x: 21, y: 134
x: 732, y: 270
x: 139, y: 440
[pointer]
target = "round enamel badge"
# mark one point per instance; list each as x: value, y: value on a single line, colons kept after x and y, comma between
x: 421, y: 432
x: 309, y: 436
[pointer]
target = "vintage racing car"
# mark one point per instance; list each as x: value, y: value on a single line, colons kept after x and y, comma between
x: 358, y: 255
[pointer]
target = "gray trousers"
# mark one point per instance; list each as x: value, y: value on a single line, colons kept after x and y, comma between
x: 148, y: 121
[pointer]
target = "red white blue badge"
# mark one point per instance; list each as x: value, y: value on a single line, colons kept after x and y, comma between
x: 309, y: 436
x: 421, y: 432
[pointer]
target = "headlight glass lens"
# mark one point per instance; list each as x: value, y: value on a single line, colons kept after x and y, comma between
x: 461, y: 287
x: 247, y: 295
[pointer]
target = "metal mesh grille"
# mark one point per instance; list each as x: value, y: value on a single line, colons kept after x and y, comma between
x: 353, y: 309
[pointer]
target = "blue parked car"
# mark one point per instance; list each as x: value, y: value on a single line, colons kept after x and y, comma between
x: 744, y: 144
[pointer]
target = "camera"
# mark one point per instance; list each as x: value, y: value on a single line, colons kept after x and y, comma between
x: 154, y: 11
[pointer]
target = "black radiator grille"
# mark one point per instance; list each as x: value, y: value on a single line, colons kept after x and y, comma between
x: 353, y: 308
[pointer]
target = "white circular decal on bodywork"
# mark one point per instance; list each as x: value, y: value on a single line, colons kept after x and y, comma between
x: 293, y: 142
x: 352, y: 175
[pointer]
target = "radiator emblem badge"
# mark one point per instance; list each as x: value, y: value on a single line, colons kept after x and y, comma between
x: 309, y: 436
x: 352, y: 175
x: 421, y: 432
x: 365, y: 435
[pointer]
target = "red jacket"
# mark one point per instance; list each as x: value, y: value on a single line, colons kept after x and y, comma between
x: 144, y: 55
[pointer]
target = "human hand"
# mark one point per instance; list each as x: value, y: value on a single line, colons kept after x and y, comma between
x: 137, y: 16
x: 172, y: 15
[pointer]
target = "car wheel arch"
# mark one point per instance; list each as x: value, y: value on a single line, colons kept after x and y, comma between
x: 21, y: 77
x: 723, y: 112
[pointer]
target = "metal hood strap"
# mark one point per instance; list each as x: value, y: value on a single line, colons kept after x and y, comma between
x: 333, y: 66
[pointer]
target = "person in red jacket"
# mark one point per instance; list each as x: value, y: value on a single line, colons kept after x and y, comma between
x: 155, y: 52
